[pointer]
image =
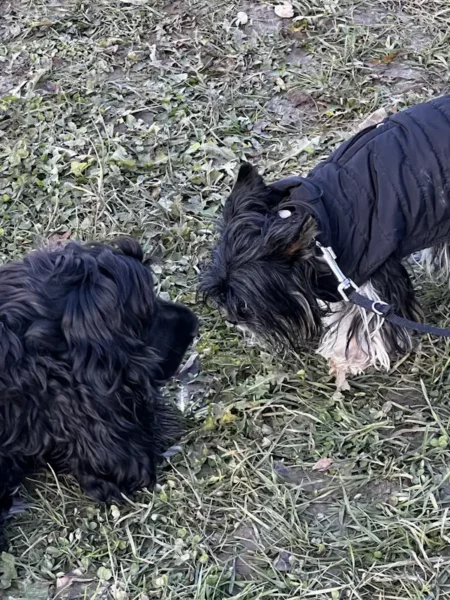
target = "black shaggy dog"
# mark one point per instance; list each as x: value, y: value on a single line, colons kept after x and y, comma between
x: 84, y: 344
x: 381, y: 196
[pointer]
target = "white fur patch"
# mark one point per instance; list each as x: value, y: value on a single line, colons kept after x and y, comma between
x: 249, y: 336
x: 354, y: 356
x: 436, y: 262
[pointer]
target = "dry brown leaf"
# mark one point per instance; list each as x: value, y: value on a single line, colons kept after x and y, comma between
x: 58, y: 240
x: 373, y: 119
x: 323, y: 464
x: 386, y: 59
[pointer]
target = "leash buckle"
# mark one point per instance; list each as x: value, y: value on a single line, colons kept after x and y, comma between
x: 345, y: 283
x: 345, y: 286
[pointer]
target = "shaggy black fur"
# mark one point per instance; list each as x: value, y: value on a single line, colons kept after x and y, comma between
x: 267, y: 275
x: 264, y: 271
x: 84, y: 343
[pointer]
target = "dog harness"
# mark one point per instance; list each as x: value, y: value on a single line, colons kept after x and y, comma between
x: 384, y: 192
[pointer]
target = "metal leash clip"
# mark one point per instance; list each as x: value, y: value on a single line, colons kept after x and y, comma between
x: 345, y: 283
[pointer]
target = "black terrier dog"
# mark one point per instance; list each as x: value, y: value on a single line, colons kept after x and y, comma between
x: 84, y: 345
x: 380, y: 197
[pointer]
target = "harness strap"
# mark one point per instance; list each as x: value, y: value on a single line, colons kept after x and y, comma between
x: 349, y: 292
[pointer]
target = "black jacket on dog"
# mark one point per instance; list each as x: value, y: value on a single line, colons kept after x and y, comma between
x: 384, y: 192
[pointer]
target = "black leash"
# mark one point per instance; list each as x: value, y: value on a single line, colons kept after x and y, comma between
x: 350, y: 293
x: 387, y: 312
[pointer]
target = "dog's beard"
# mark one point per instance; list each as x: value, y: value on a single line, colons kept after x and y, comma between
x: 253, y: 339
x: 280, y: 333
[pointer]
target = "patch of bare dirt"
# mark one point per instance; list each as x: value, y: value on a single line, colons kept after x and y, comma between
x: 299, y: 57
x: 378, y: 492
x: 9, y: 83
x: 419, y: 41
x: 401, y: 78
x: 408, y: 398
x: 262, y: 19
x: 292, y: 108
x: 307, y: 480
x: 241, y: 550
x: 371, y: 15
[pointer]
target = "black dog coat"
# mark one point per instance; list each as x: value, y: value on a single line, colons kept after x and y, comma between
x: 384, y: 192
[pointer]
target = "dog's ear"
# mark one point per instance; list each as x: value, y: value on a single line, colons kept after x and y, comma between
x: 108, y: 309
x: 301, y: 242
x: 130, y: 247
x: 293, y: 237
x: 249, y: 193
x: 247, y: 176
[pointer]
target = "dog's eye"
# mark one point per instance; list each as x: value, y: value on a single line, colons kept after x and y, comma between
x: 243, y: 312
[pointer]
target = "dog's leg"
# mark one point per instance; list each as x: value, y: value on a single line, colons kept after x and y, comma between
x: 99, y: 488
x: 109, y: 478
x: 355, y: 339
x: 5, y: 505
x: 115, y: 457
x: 110, y: 472
x: 11, y: 476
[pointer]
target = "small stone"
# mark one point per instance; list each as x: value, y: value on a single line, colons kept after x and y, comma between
x: 284, y: 11
x: 241, y: 18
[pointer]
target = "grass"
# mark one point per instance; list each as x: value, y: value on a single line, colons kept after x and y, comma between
x: 130, y: 116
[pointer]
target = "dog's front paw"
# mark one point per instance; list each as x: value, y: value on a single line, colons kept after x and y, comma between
x: 339, y: 372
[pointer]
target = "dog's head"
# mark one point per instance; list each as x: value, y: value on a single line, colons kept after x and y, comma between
x: 92, y: 306
x: 263, y: 270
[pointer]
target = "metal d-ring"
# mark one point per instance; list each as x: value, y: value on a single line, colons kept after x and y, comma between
x: 376, y: 310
